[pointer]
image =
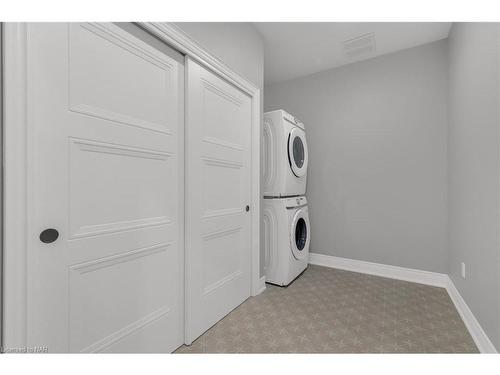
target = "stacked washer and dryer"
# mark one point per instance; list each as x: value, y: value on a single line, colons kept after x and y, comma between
x: 286, y: 219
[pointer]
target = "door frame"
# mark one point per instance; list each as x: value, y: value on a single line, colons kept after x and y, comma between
x: 16, y: 145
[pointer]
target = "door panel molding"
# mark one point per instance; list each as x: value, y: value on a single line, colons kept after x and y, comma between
x: 213, y: 162
x: 108, y: 341
x: 213, y: 287
x: 220, y: 233
x: 122, y: 150
x: 210, y: 86
x: 223, y: 143
x: 108, y: 261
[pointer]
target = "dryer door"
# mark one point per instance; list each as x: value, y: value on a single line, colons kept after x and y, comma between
x: 297, y: 152
x: 300, y: 234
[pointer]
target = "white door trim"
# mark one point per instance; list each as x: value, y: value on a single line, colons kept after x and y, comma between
x: 16, y: 163
x: 15, y: 183
x: 171, y: 34
x: 176, y: 38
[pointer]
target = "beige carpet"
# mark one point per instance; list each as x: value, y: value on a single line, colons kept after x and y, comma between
x: 333, y: 311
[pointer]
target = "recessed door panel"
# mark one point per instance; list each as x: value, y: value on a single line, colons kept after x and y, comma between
x: 100, y: 170
x: 223, y: 186
x: 98, y: 58
x: 101, y: 312
x: 221, y: 111
x: 219, y: 265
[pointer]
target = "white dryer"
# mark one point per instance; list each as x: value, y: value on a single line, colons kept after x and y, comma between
x: 287, y: 234
x: 285, y: 155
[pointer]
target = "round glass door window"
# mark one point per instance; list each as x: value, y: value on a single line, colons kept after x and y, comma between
x: 301, y: 234
x: 298, y: 152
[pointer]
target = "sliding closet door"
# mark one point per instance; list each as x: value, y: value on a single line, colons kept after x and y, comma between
x: 105, y: 125
x: 218, y: 131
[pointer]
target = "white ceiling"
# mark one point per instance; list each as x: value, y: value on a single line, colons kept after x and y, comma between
x: 295, y: 49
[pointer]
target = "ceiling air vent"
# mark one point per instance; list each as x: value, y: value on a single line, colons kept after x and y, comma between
x: 359, y: 46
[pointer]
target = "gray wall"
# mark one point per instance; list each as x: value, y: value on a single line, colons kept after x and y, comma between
x: 377, y: 138
x: 240, y: 46
x: 474, y: 170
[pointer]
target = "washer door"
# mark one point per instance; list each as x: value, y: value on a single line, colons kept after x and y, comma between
x: 297, y: 152
x: 299, y: 234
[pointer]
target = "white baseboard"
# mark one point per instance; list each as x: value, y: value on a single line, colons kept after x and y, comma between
x: 262, y: 285
x: 377, y: 269
x: 480, y: 337
x: 442, y: 280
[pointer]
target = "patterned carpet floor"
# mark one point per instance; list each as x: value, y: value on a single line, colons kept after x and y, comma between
x: 333, y: 311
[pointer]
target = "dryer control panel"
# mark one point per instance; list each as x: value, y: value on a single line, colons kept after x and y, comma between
x: 294, y: 120
x: 295, y: 202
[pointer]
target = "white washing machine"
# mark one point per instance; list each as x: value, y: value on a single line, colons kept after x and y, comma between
x: 285, y: 155
x: 287, y: 233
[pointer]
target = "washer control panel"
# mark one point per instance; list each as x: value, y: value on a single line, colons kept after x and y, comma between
x: 295, y: 202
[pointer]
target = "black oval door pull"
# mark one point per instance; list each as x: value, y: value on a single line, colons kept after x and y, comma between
x: 247, y: 208
x: 49, y: 235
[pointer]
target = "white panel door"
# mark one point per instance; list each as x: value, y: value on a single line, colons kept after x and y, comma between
x: 106, y: 142
x: 218, y: 156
